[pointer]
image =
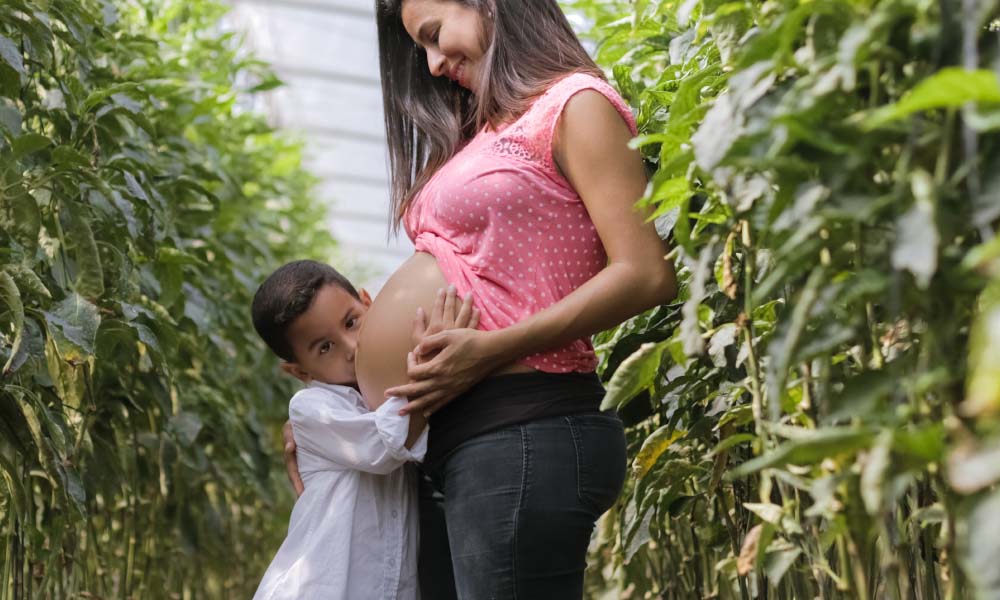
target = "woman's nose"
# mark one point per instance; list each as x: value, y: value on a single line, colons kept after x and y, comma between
x: 436, y: 63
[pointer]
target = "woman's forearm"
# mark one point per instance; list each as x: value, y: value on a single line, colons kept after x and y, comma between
x: 619, y: 292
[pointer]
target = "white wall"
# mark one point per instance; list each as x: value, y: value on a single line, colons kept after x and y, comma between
x: 326, y: 52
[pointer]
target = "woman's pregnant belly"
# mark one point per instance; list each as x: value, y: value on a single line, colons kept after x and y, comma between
x: 385, y: 337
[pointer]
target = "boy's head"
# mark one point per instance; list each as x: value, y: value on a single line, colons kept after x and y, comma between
x: 309, y: 315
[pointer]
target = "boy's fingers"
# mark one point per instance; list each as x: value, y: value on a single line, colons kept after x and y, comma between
x: 474, y: 321
x: 292, y: 469
x: 409, y: 390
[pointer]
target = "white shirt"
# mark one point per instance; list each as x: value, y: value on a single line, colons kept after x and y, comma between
x: 353, y: 532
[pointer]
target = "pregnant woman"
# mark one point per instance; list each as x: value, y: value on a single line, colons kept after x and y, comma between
x: 512, y: 175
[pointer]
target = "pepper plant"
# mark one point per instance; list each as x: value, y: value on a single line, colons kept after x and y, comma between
x: 140, y: 205
x: 816, y: 415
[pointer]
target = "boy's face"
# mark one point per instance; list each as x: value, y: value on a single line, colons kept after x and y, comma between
x: 325, y: 337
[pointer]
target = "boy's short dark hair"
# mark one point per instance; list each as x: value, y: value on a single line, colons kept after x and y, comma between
x: 285, y: 295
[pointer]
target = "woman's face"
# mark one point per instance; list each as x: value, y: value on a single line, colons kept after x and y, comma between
x: 450, y: 34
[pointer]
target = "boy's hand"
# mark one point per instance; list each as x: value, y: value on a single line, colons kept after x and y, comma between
x: 291, y: 462
x: 447, y: 313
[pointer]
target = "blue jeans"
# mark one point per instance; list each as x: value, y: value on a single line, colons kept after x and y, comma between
x: 510, y: 513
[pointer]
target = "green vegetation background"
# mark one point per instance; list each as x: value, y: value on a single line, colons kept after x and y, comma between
x: 141, y: 206
x: 815, y: 417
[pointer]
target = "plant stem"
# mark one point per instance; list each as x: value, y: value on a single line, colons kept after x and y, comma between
x: 754, y: 368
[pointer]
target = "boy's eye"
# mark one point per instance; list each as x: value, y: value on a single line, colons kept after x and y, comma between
x: 351, y: 323
x: 325, y: 347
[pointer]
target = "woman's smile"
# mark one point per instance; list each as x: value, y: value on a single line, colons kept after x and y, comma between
x: 450, y: 34
x: 457, y: 74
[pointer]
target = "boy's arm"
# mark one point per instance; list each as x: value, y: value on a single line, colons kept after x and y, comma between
x: 346, y: 439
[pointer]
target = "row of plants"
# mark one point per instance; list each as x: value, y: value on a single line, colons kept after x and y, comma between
x: 817, y: 414
x: 140, y: 204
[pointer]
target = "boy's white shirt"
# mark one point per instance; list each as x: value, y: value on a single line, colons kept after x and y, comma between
x: 354, y: 531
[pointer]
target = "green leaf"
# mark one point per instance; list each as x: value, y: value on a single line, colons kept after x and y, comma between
x: 11, y: 297
x: 10, y: 116
x: 873, y: 474
x: 69, y: 158
x: 80, y: 242
x: 862, y: 394
x: 769, y: 513
x: 810, y: 449
x: 782, y: 349
x: 100, y: 95
x: 74, y: 322
x: 135, y: 189
x: 29, y: 143
x: 951, y: 87
x: 15, y: 489
x: 983, y: 388
x: 635, y: 374
x: 731, y: 442
x: 723, y: 338
x: 979, y: 544
x: 185, y: 426
x: 653, y: 447
x: 270, y: 82
x: 916, y: 248
x: 780, y: 556
x: 11, y: 54
x: 22, y: 218
x: 972, y: 469
x: 174, y: 256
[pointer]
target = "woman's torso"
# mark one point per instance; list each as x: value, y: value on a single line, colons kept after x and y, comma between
x: 504, y: 224
x: 385, y: 337
x: 499, y: 221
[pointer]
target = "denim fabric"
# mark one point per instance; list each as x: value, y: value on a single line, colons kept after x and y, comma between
x: 520, y: 504
x: 437, y: 581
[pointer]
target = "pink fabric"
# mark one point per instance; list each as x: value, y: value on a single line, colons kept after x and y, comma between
x: 505, y: 225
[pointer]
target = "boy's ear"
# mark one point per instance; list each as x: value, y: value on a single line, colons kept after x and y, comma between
x: 365, y: 298
x: 296, y: 371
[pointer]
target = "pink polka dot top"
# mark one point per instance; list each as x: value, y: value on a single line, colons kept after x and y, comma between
x: 504, y: 224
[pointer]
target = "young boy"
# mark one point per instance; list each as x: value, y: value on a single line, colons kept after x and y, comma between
x: 353, y: 531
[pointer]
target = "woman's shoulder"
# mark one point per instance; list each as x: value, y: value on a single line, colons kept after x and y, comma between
x: 554, y: 101
x: 576, y: 81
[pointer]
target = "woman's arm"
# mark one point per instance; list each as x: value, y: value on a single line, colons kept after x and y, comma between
x: 591, y: 149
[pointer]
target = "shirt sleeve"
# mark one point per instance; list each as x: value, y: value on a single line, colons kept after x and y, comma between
x: 347, y: 439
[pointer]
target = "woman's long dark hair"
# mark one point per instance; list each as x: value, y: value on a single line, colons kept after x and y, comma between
x: 529, y: 45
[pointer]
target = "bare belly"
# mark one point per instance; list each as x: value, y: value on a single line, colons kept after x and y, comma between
x: 384, y: 339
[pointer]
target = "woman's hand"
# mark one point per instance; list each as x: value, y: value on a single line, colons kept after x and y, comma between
x: 450, y: 359
x: 291, y: 462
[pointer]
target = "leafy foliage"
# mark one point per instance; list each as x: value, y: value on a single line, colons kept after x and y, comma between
x: 139, y: 207
x: 816, y: 416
